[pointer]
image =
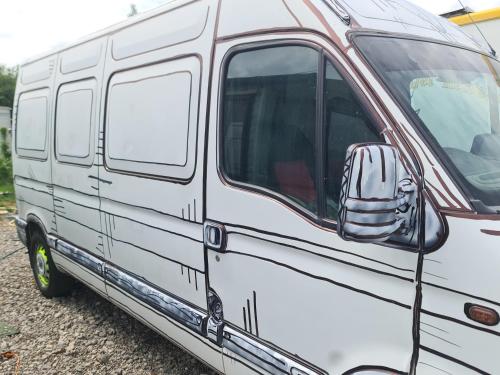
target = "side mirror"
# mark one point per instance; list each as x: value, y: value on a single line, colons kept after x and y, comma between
x: 378, y: 197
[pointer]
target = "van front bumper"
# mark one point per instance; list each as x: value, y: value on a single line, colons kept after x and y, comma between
x: 21, y: 226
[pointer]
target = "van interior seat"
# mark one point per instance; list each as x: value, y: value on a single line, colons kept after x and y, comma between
x: 294, y: 153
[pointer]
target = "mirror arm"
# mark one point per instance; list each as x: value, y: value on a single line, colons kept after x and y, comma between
x: 408, y: 190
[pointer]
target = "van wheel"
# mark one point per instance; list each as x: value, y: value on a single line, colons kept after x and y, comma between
x: 49, y: 280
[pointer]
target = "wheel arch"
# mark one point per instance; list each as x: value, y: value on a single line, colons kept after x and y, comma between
x: 34, y: 224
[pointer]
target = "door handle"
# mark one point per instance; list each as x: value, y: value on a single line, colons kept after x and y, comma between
x: 214, y: 236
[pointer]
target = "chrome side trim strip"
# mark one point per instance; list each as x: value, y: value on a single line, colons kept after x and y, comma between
x: 21, y: 230
x: 51, y: 241
x: 263, y: 356
x: 79, y: 256
x: 241, y: 344
x: 21, y: 223
x: 160, y: 301
x: 215, y: 331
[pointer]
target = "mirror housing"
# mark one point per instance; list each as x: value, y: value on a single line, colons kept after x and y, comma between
x: 378, y: 198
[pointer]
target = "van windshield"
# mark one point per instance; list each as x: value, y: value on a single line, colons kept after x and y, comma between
x: 454, y: 95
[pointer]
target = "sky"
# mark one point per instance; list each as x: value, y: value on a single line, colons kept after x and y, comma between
x: 31, y: 27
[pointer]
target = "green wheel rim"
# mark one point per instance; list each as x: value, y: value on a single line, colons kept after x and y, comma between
x: 42, y: 266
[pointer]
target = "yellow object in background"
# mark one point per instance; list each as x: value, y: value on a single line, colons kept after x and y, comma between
x: 488, y: 21
x: 485, y: 15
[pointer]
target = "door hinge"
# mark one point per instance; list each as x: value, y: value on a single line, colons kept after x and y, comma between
x: 215, y: 322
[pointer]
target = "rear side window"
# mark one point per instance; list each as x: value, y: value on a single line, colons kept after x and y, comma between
x: 31, y: 124
x: 74, y: 122
x: 272, y: 135
x: 269, y: 121
x: 152, y: 119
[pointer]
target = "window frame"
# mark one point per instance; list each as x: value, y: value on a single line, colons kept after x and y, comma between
x: 324, y: 57
x: 38, y: 155
x: 88, y: 161
x: 196, y: 92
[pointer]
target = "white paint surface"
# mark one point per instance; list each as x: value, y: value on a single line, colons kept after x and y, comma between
x: 73, y: 122
x: 32, y: 122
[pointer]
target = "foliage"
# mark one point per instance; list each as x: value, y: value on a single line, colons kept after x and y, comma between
x: 4, y: 144
x: 6, y: 178
x: 5, y: 159
x: 8, y: 77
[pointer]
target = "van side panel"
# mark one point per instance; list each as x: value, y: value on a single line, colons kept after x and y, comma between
x: 75, y: 156
x: 154, y: 102
x: 123, y: 206
x: 462, y: 273
x: 31, y: 130
x: 161, y: 31
x: 152, y: 234
x: 287, y: 281
x: 38, y: 72
x: 85, y: 56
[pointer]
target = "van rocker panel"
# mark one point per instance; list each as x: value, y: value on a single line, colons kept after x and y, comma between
x: 160, y: 301
x: 241, y: 344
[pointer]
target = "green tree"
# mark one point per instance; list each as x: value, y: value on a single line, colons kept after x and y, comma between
x: 8, y: 77
x: 5, y: 160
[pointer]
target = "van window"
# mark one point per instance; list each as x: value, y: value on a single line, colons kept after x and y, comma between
x: 346, y: 124
x: 74, y: 122
x: 270, y: 126
x: 269, y: 121
x: 31, y: 124
x: 453, y: 96
x: 151, y: 119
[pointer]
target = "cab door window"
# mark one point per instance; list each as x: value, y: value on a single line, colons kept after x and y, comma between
x: 269, y: 121
x: 272, y: 137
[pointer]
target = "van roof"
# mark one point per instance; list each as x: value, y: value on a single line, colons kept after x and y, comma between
x: 401, y: 16
x: 391, y: 16
x: 169, y: 5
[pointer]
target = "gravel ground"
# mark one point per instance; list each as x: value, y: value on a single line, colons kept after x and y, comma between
x: 79, y: 334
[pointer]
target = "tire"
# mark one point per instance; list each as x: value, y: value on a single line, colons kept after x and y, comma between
x: 48, y: 279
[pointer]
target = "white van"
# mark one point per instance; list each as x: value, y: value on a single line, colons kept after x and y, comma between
x: 277, y: 186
